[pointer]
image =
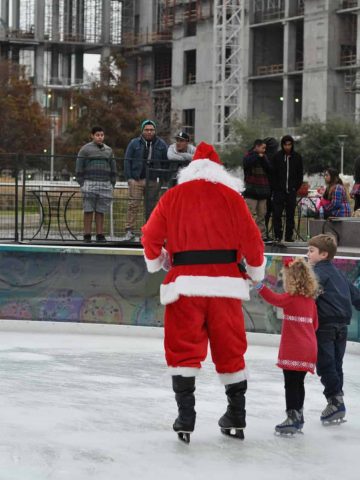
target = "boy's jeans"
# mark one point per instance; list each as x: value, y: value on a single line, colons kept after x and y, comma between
x: 331, y: 341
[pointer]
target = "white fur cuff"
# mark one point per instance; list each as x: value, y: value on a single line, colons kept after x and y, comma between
x: 257, y: 273
x: 184, y: 371
x: 161, y: 262
x: 229, y: 378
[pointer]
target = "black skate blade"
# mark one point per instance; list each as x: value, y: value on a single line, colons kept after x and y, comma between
x: 287, y: 434
x: 184, y: 436
x: 234, y: 432
x: 336, y: 421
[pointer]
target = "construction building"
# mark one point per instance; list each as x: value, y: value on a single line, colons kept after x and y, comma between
x: 206, y: 62
x: 203, y: 62
x: 51, y: 37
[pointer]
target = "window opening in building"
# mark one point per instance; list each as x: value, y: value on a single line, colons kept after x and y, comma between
x: 190, y: 67
x: 162, y: 69
x: 189, y: 121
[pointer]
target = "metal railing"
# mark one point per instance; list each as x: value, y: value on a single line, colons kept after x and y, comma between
x: 35, y: 207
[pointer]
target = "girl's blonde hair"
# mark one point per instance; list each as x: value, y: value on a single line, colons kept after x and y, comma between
x: 299, y: 279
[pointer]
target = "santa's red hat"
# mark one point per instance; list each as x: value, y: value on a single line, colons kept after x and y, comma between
x: 204, y: 151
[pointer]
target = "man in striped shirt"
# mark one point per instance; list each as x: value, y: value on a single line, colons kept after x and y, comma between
x: 96, y: 175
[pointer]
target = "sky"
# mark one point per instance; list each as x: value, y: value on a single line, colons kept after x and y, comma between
x: 92, y: 406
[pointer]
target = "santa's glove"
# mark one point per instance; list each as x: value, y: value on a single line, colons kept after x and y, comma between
x: 165, y: 260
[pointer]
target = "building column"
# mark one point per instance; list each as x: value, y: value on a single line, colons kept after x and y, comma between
x: 105, y: 22
x: 15, y: 21
x: 105, y: 32
x: 79, y: 67
x: 357, y: 79
x: 39, y: 20
x: 55, y: 24
x: 4, y: 14
x: 288, y: 113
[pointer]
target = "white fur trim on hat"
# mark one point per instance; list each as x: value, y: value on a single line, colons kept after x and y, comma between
x: 161, y: 262
x: 229, y: 378
x: 203, y: 286
x: 184, y: 371
x: 256, y: 273
x: 210, y: 171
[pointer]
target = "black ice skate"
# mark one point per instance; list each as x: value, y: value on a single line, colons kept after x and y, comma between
x: 292, y: 424
x: 183, y: 430
x: 232, y: 423
x: 334, y: 412
x: 184, y: 388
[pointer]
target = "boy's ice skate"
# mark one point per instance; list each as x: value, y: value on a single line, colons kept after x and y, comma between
x: 334, y: 412
x: 292, y: 424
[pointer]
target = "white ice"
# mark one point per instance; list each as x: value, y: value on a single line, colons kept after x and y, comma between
x: 83, y: 406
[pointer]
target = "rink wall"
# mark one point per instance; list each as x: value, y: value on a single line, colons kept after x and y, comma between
x: 96, y: 285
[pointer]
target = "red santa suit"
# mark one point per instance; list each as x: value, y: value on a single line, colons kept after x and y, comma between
x: 205, y: 212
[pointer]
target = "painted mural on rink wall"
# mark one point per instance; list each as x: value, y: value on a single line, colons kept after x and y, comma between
x: 111, y: 286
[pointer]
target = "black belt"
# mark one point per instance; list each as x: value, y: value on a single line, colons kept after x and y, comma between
x: 203, y: 257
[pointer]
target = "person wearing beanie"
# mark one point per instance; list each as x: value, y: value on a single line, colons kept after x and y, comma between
x: 200, y: 230
x: 147, y: 149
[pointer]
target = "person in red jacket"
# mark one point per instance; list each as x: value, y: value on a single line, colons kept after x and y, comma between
x: 298, y: 344
x: 200, y: 230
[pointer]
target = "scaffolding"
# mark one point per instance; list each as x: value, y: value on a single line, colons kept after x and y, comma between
x: 76, y: 21
x: 268, y: 10
x: 352, y: 82
x: 227, y: 102
x: 175, y: 12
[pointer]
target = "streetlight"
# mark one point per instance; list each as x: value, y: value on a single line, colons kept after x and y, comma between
x: 341, y: 139
x: 53, y: 118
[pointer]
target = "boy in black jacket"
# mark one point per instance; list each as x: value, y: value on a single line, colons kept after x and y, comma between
x: 334, y: 302
x: 286, y: 179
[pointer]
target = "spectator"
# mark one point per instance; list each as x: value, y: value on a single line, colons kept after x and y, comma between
x: 148, y: 146
x: 272, y: 146
x: 355, y: 191
x: 181, y: 150
x: 96, y: 175
x: 287, y: 178
x: 335, y: 200
x: 257, y: 185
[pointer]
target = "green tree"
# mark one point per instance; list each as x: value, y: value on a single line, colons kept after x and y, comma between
x: 24, y: 126
x: 319, y: 144
x: 110, y: 103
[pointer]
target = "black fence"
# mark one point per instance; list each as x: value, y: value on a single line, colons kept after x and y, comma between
x: 40, y: 198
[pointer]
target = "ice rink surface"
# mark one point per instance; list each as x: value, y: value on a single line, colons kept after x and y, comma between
x: 76, y: 406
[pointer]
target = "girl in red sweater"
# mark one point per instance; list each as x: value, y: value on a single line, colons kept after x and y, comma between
x: 298, y: 345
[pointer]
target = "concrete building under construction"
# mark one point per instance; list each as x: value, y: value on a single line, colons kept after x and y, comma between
x: 51, y: 37
x: 203, y: 62
x: 206, y: 62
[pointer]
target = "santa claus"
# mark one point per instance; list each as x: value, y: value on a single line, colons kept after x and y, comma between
x: 200, y: 231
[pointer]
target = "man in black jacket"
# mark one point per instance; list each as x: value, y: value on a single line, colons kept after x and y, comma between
x: 286, y: 179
